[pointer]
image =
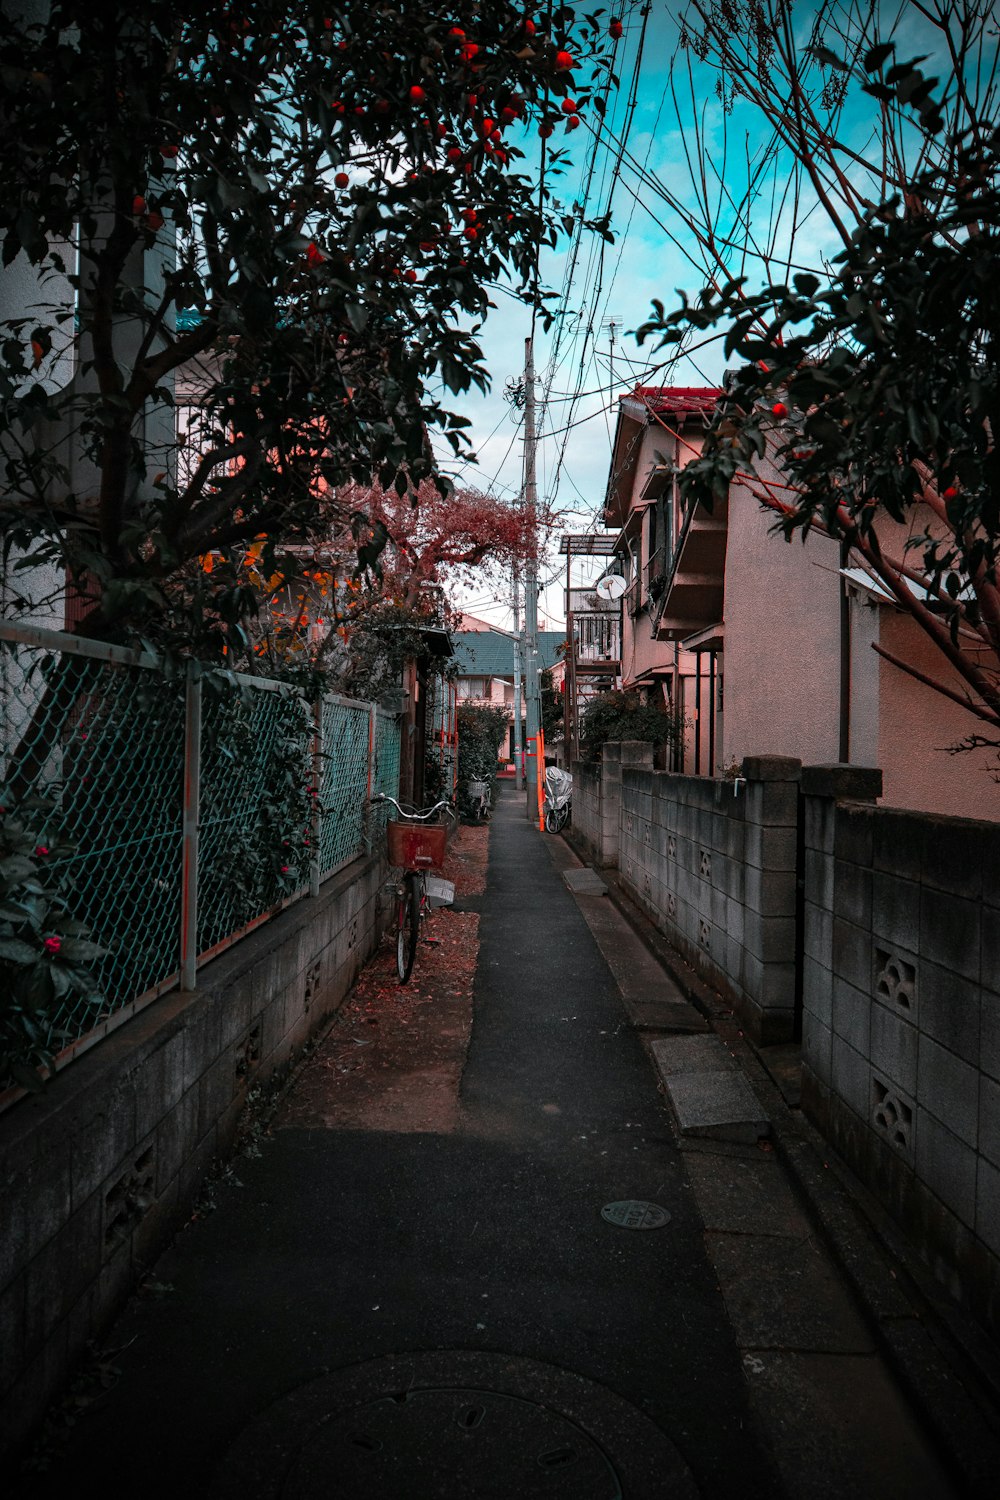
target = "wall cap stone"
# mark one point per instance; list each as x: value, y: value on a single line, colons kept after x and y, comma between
x: 851, y: 783
x: 771, y: 768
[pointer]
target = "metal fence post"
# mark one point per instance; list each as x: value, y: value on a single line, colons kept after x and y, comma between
x: 316, y: 834
x: 192, y: 797
x: 372, y: 726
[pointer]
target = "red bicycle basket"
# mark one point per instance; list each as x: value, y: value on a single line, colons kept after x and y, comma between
x: 416, y: 846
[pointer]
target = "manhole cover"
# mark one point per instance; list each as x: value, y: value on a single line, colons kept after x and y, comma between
x: 452, y: 1442
x: 633, y: 1213
x: 447, y: 1425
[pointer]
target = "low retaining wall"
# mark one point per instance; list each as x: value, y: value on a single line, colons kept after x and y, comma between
x: 714, y: 865
x: 901, y: 1030
x: 97, y: 1172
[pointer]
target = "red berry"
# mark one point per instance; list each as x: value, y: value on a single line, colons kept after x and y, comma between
x: 468, y: 52
x: 529, y: 26
x: 427, y: 244
x: 168, y: 151
x: 780, y: 409
x: 138, y: 204
x: 457, y: 33
x: 501, y: 157
x: 565, y: 62
x: 615, y: 28
x: 496, y: 137
x: 442, y: 131
x: 314, y: 255
x: 951, y: 493
x: 545, y: 131
x: 338, y: 107
x: 342, y: 180
x: 409, y: 275
x: 454, y: 153
x: 470, y: 232
x: 469, y: 215
x: 417, y: 94
x: 507, y: 115
x: 381, y: 106
x: 572, y: 122
x: 154, y: 221
x: 569, y: 106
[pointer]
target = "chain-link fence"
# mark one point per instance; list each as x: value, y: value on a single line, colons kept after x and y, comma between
x: 170, y: 811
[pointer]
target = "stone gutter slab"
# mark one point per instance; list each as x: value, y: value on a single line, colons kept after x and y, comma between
x: 707, y: 1091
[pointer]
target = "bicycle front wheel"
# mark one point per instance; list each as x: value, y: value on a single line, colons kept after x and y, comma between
x: 552, y: 823
x: 407, y: 925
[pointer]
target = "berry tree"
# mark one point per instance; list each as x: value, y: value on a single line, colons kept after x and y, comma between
x: 308, y: 204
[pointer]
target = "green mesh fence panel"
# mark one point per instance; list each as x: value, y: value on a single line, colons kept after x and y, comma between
x: 91, y: 756
x: 253, y: 850
x: 385, y: 775
x: 343, y: 785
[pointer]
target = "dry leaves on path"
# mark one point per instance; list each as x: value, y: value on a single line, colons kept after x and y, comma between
x: 393, y: 1058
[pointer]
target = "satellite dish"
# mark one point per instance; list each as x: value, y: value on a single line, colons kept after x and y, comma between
x: 611, y: 586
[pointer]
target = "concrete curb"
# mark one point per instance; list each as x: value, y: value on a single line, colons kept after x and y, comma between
x: 948, y: 1369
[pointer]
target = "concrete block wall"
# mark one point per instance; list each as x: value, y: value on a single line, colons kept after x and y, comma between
x: 901, y: 1025
x: 587, y: 803
x: 715, y: 866
x: 99, y: 1170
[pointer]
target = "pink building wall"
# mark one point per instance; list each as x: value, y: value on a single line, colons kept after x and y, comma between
x: 781, y: 664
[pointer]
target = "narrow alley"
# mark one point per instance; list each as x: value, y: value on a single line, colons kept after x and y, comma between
x: 420, y: 1296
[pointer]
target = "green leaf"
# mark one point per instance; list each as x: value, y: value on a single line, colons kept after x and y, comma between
x: 15, y: 951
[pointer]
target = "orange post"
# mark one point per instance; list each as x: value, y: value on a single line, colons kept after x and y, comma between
x: 540, y: 779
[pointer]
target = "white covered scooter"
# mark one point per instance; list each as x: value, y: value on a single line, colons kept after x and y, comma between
x: 558, y: 798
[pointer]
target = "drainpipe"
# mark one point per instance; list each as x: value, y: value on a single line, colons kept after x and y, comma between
x: 844, y: 747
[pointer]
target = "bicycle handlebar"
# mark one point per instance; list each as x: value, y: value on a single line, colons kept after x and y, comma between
x: 427, y: 812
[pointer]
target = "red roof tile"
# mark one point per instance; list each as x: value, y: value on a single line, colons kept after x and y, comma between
x: 676, y: 398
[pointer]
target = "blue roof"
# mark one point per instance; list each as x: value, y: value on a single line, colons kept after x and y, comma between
x: 487, y: 653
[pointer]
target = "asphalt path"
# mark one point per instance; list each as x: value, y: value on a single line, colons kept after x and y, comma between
x: 337, y: 1247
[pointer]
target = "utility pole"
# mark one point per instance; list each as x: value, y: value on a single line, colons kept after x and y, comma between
x: 533, y: 707
x: 518, y: 697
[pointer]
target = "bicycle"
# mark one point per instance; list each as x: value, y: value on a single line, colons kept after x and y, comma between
x: 416, y: 845
x: 477, y: 790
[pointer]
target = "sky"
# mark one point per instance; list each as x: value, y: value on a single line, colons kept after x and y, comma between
x: 610, y: 292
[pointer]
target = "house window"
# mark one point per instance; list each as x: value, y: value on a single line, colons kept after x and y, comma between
x: 472, y: 687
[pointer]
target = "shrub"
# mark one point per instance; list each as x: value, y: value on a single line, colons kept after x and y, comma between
x: 623, y: 716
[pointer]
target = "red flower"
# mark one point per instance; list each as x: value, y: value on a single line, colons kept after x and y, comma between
x: 41, y: 850
x: 284, y: 869
x: 53, y: 944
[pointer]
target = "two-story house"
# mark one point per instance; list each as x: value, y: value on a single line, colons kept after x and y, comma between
x: 764, y: 647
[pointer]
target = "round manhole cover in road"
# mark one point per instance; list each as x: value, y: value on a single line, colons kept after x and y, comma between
x: 452, y: 1442
x: 633, y: 1213
x: 450, y: 1425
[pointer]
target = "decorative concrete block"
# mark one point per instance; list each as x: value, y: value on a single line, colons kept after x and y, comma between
x: 950, y: 929
x: 989, y: 1034
x: 851, y: 1015
x: 854, y: 834
x: 819, y: 824
x: 852, y: 893
x: 990, y: 834
x: 989, y: 1119
x: 817, y: 992
x: 850, y: 1075
x: 953, y: 855
x: 988, y: 1205
x: 950, y: 1009
x: 949, y: 1089
x: 894, y: 1048
x: 899, y: 843
x: 819, y: 878
x: 817, y: 1047
x: 818, y: 934
x: 948, y: 1166
x: 842, y: 782
x: 896, y: 911
x: 771, y: 768
x: 852, y: 953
